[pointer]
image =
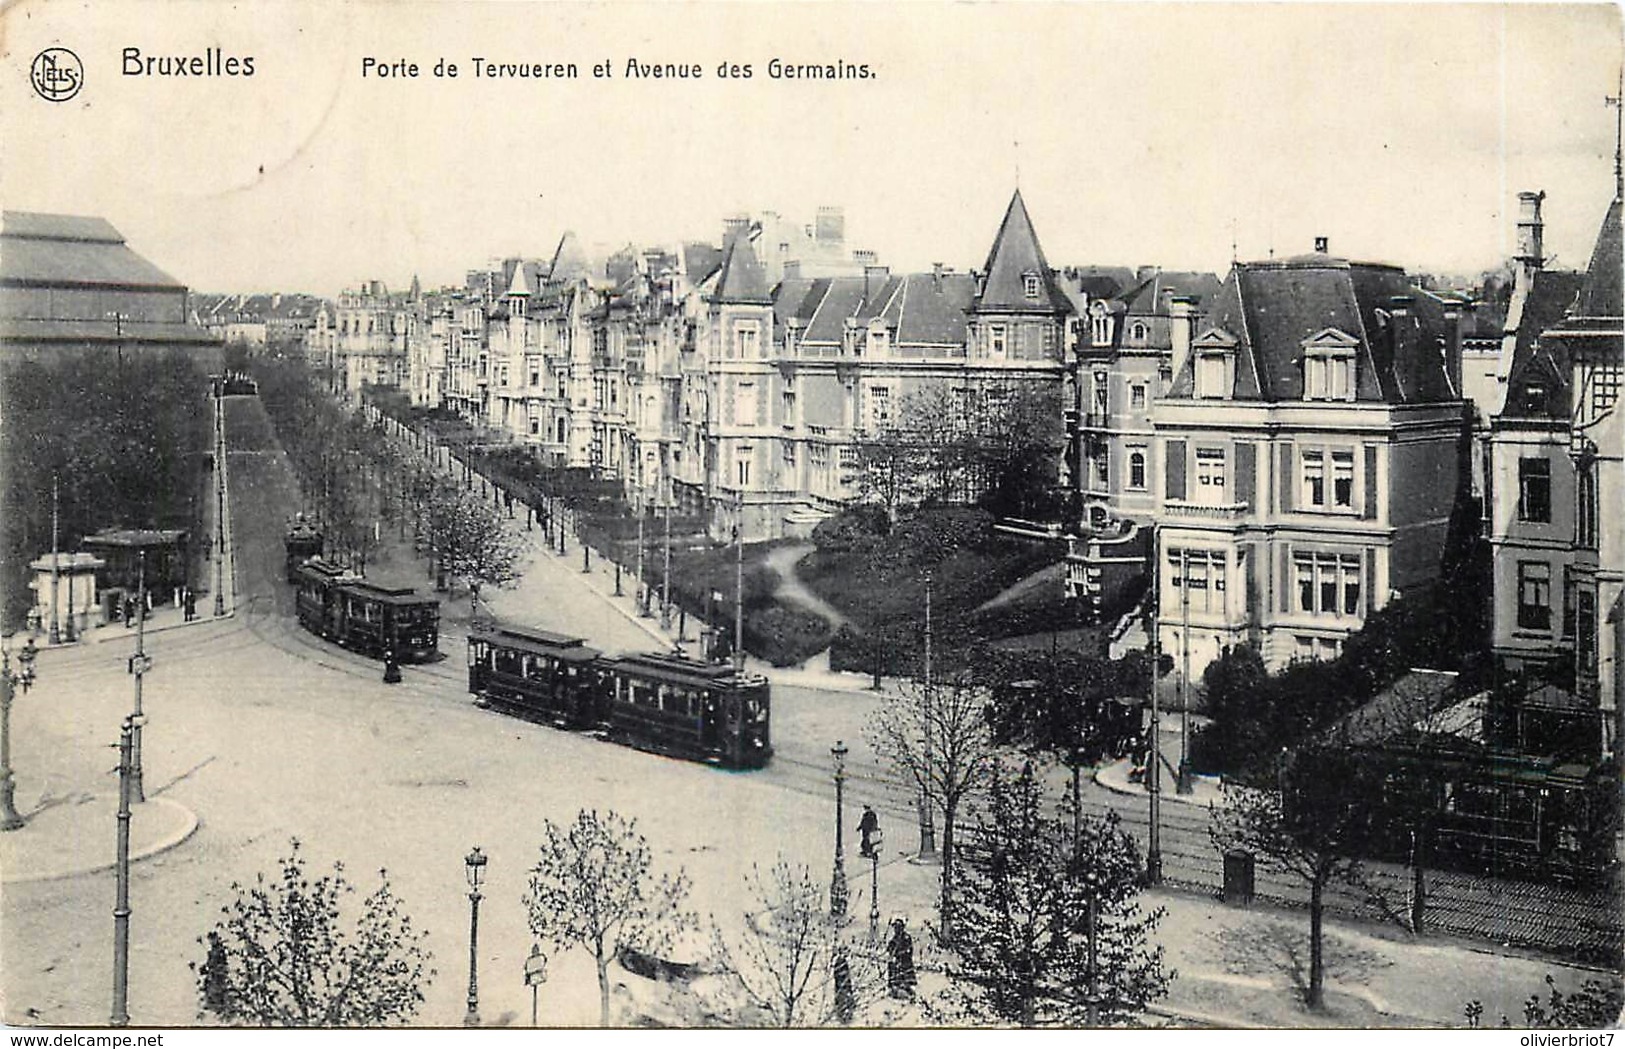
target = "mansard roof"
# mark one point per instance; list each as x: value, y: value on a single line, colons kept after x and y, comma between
x: 1272, y: 309
x: 1015, y: 255
x: 921, y: 309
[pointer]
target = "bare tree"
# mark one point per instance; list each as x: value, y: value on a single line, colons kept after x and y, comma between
x: 1312, y: 827
x: 594, y: 886
x: 939, y: 737
x: 783, y: 959
x: 284, y: 956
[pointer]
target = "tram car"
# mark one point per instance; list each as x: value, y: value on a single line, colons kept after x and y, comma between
x: 1495, y: 812
x: 667, y: 704
x: 341, y: 606
x: 302, y: 542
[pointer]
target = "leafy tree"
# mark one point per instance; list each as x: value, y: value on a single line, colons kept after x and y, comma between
x: 285, y: 955
x: 1052, y: 931
x: 471, y: 540
x: 594, y: 886
x: 937, y: 736
x: 1317, y: 833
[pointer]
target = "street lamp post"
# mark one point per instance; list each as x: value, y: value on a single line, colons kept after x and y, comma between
x: 665, y: 568
x: 220, y: 506
x: 121, y: 901
x: 642, y: 591
x: 10, y: 818
x: 1153, y: 772
x: 475, y: 862
x: 928, y: 831
x: 1183, y: 784
x: 138, y: 667
x: 837, y: 881
x: 55, y: 635
x: 739, y: 584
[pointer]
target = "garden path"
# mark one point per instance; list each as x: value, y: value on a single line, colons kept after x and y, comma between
x: 1049, y: 575
x: 783, y: 562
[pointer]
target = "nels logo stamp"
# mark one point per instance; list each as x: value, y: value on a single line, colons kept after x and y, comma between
x: 57, y: 74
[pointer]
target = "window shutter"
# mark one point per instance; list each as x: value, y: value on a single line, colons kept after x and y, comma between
x: 1370, y: 580
x: 1286, y: 477
x: 1175, y: 469
x: 1245, y: 470
x: 1370, y: 482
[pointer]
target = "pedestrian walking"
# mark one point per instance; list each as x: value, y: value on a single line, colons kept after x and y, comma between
x: 867, y: 826
x: 900, y: 975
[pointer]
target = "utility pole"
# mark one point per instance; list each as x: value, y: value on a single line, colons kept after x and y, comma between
x: 928, y: 830
x: 739, y: 583
x: 56, y: 557
x: 1183, y: 784
x: 665, y: 571
x: 638, y: 587
x: 220, y: 506
x: 1153, y: 851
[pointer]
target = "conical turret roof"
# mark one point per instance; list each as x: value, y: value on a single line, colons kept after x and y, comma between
x: 1015, y: 255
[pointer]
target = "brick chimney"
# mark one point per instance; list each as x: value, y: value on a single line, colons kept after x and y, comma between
x: 1531, y: 230
x: 1181, y: 319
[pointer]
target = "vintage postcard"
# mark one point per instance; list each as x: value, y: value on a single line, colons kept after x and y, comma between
x: 791, y: 514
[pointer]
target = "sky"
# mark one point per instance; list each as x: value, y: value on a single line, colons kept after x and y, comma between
x: 1168, y: 134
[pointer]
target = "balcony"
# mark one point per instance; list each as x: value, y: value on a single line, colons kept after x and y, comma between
x: 1220, y: 511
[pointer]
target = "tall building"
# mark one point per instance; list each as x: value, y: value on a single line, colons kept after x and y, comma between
x: 1556, y: 467
x: 1310, y: 458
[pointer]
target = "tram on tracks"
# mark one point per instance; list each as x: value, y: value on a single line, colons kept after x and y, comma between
x: 662, y: 703
x: 340, y: 606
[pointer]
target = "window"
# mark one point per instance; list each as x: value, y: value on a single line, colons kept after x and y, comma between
x: 1102, y: 400
x: 561, y: 430
x: 746, y: 337
x: 1314, y: 478
x: 744, y: 404
x: 879, y: 342
x: 1100, y: 329
x: 1535, y: 489
x: 1210, y: 375
x: 1137, y: 332
x: 787, y: 402
x: 535, y: 376
x: 995, y: 340
x: 1198, y: 577
x: 1534, y: 595
x: 789, y: 450
x: 1048, y: 339
x: 1209, y: 476
x: 818, y: 455
x: 1136, y: 469
x: 1604, y: 388
x: 1328, y: 377
x: 742, y: 459
x: 1101, y: 461
x: 1328, y: 584
x: 879, y: 408
x: 1585, y: 507
x: 1343, y: 478
x: 1136, y: 396
x: 1313, y: 649
x: 1030, y: 285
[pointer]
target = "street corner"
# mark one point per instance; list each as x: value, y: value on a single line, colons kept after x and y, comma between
x: 77, y: 835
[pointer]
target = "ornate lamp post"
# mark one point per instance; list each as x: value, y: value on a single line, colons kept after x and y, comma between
x: 121, y: 900
x: 872, y: 836
x: 475, y: 862
x: 10, y: 818
x: 1153, y: 761
x: 837, y: 881
x: 140, y: 663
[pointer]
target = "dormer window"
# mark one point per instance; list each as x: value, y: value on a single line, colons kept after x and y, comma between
x: 1100, y: 325
x: 1328, y: 366
x: 879, y: 340
x: 1137, y: 332
x: 1213, y: 364
x: 1030, y: 285
x: 1211, y: 369
x: 996, y: 335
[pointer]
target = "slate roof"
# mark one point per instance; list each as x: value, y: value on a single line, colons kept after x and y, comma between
x: 31, y: 329
x: 1272, y: 308
x: 72, y: 251
x: 922, y: 309
x: 742, y: 279
x: 1016, y: 253
x: 1150, y: 298
x: 1600, y: 295
x: 700, y: 260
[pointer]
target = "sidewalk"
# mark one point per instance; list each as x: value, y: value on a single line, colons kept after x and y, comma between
x: 54, y: 843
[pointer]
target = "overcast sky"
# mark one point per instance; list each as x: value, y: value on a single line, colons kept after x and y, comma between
x: 1143, y: 133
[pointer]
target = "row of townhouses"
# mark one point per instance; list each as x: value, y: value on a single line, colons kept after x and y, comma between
x: 1304, y: 433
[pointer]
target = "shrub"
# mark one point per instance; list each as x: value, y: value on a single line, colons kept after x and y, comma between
x: 855, y: 528
x: 785, y: 635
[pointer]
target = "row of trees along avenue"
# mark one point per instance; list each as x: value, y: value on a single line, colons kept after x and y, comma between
x: 359, y: 481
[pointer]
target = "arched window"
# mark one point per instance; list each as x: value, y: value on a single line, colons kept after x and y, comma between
x: 1136, y: 469
x: 1137, y: 332
x: 1585, y: 511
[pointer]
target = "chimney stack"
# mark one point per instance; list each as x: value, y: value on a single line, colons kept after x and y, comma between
x: 1322, y: 245
x: 1531, y: 231
x: 1181, y: 319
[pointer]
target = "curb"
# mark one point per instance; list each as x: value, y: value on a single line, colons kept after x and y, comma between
x: 162, y: 845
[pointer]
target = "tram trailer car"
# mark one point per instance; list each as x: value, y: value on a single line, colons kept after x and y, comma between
x: 342, y: 607
x: 667, y: 704
x: 302, y: 543
x: 1493, y: 812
